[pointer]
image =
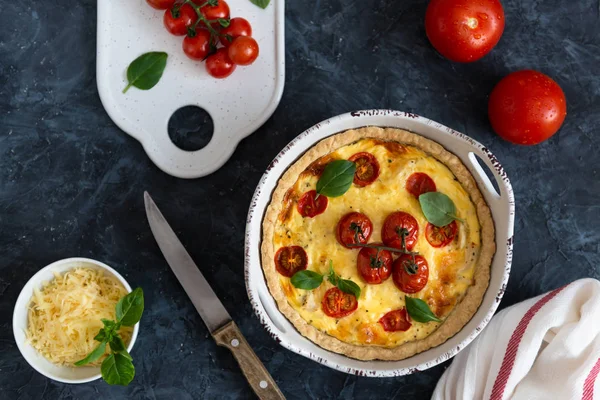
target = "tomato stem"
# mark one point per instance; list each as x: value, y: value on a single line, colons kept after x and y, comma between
x: 201, y: 17
x: 390, y: 249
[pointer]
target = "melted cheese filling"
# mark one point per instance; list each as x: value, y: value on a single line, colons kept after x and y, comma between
x: 451, y: 267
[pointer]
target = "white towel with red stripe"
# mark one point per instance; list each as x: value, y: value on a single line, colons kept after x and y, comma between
x: 544, y: 348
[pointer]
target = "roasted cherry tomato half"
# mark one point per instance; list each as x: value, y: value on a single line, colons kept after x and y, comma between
x: 527, y: 107
x: 440, y: 237
x: 290, y: 259
x: 243, y: 50
x: 372, y: 267
x: 419, y: 183
x: 395, y: 224
x: 309, y: 207
x: 219, y: 65
x: 394, y: 321
x: 221, y: 10
x: 161, y: 4
x: 354, y: 225
x: 464, y: 30
x: 178, y: 22
x: 197, y: 47
x: 410, y: 275
x: 338, y: 304
x: 367, y: 168
x: 237, y: 27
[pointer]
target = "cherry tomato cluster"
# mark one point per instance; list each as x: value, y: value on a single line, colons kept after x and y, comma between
x: 210, y: 33
x: 526, y: 107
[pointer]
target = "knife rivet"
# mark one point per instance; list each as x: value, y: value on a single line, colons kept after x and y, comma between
x: 235, y: 343
x: 263, y: 384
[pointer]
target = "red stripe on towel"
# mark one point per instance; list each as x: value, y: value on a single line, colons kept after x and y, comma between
x: 513, y: 345
x: 588, y: 385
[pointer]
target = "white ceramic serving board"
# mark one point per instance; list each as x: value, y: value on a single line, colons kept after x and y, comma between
x: 238, y: 105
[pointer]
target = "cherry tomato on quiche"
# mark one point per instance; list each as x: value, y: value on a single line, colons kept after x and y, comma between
x: 219, y: 65
x: 290, y: 259
x: 440, y: 237
x: 237, y: 27
x: 161, y: 4
x: 464, y: 30
x: 527, y: 107
x: 177, y: 22
x: 394, y: 225
x: 197, y: 47
x: 394, y: 321
x: 351, y: 226
x: 243, y: 50
x: 367, y: 168
x: 410, y: 275
x: 309, y: 207
x: 374, y: 268
x: 419, y: 183
x: 338, y: 304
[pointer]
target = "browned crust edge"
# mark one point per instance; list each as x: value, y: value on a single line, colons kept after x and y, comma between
x: 461, y: 314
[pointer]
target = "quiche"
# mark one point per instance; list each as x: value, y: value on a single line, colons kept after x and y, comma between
x: 363, y: 271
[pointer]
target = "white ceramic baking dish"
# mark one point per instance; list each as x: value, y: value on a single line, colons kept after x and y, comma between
x: 501, y: 205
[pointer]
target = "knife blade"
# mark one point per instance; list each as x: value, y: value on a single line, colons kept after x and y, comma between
x: 211, y: 310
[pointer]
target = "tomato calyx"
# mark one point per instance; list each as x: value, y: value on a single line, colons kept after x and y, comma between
x: 411, y: 267
x: 402, y: 234
x: 201, y: 19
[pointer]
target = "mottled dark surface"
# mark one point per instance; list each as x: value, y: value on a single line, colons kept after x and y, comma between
x: 71, y: 182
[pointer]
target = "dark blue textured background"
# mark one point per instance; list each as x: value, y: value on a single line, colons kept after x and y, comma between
x: 71, y: 182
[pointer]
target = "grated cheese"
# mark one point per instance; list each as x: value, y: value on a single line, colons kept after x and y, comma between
x: 65, y: 315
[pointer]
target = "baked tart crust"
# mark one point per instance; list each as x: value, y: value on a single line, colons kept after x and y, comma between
x: 454, y: 319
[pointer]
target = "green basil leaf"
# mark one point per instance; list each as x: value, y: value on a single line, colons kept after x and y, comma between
x: 117, y: 344
x: 125, y: 354
x: 337, y: 178
x: 438, y: 208
x: 117, y: 369
x: 332, y: 276
x: 348, y: 286
x: 261, y: 3
x: 306, y: 279
x: 419, y: 310
x: 130, y: 308
x: 145, y: 71
x: 101, y: 335
x: 94, y: 355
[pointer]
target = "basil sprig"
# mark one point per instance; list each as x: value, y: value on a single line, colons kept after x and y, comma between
x: 336, y: 179
x: 419, y: 310
x: 117, y: 368
x: 309, y: 280
x: 145, y: 71
x: 438, y: 208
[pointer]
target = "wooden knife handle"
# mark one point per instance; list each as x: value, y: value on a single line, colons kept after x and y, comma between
x: 255, y: 372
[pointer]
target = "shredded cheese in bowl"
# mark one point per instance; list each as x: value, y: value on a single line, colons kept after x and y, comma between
x: 65, y: 314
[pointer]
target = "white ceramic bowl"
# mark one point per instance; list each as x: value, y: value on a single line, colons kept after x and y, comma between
x: 501, y: 205
x: 35, y: 359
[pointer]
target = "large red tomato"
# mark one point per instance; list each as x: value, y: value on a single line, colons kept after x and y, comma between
x: 527, y: 107
x: 464, y: 30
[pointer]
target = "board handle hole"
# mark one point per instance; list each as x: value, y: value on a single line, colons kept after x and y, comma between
x: 190, y: 128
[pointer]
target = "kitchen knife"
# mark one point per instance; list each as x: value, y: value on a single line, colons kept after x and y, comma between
x: 213, y: 313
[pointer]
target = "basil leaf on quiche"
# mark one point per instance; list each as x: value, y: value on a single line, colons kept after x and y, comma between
x: 419, y: 310
x: 306, y: 279
x: 438, y: 208
x: 348, y: 286
x: 336, y: 179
